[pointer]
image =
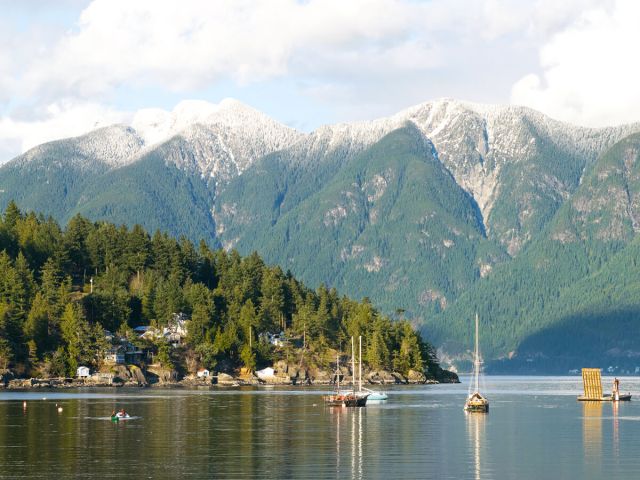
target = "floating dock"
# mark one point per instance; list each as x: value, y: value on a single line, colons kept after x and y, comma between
x: 592, y: 382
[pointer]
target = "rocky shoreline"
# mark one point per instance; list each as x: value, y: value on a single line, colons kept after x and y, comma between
x: 284, y: 375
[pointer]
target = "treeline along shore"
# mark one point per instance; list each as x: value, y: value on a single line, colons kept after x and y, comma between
x: 100, y: 304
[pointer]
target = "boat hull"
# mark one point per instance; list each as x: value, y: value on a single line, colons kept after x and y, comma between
x: 346, y: 400
x: 378, y: 397
x: 477, y: 407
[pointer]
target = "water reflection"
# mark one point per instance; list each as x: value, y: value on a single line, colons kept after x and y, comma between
x: 616, y: 433
x: 349, y: 443
x: 422, y: 433
x: 356, y: 440
x: 475, y: 436
x: 592, y: 433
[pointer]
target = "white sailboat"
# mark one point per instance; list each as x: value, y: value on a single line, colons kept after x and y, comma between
x: 476, y: 402
x: 362, y: 393
x: 373, y: 395
x: 348, y: 398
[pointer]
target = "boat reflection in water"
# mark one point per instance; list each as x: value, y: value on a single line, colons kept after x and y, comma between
x: 616, y: 432
x: 475, y: 435
x: 349, y: 443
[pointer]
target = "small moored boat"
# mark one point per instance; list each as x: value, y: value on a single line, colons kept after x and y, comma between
x: 376, y: 396
x: 476, y: 402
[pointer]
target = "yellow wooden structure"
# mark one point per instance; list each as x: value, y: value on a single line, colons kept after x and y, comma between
x: 592, y: 382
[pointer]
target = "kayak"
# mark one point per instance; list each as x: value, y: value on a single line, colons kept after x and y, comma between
x: 119, y: 416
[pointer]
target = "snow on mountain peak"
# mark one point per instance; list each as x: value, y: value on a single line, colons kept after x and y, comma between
x: 156, y: 125
x: 217, y: 140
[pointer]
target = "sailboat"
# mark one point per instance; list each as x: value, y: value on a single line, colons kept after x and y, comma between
x: 362, y: 394
x: 348, y: 398
x: 372, y: 395
x: 476, y: 402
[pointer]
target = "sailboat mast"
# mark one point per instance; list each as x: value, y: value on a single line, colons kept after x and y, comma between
x: 353, y: 363
x: 338, y: 371
x: 360, y: 375
x: 477, y: 356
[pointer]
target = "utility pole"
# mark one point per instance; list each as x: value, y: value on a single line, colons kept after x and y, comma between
x: 91, y: 282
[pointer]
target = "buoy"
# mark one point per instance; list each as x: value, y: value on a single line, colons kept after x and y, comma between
x: 59, y: 409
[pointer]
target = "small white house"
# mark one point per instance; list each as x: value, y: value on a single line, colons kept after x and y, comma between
x: 82, y: 372
x: 203, y: 373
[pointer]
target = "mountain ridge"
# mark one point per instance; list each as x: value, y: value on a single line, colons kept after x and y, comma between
x: 415, y: 210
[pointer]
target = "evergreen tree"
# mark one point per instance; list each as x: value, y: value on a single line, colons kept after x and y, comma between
x: 12, y: 214
x: 36, y: 327
x: 77, y: 334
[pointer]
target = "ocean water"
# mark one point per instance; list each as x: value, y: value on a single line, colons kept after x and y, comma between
x: 535, y: 430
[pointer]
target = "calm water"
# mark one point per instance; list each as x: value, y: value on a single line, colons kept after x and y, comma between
x: 536, y: 429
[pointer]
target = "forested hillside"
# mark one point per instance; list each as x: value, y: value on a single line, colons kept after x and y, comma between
x: 61, y: 289
x: 442, y: 210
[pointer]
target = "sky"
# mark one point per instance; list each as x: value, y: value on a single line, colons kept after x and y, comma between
x: 70, y: 66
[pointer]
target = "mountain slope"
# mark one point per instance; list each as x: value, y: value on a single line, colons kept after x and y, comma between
x: 391, y: 224
x: 51, y: 177
x: 441, y: 210
x: 569, y: 273
x: 150, y: 192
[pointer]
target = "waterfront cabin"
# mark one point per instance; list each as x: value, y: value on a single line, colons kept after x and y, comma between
x: 176, y: 330
x: 115, y: 355
x: 83, y: 372
x: 132, y: 354
x: 203, y: 373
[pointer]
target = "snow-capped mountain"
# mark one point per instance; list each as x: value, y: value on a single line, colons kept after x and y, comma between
x: 412, y: 210
x: 517, y: 164
x: 219, y: 141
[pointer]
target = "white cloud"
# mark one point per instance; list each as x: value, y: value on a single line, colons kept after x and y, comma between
x: 188, y: 44
x: 58, y: 121
x: 358, y: 58
x: 590, y: 69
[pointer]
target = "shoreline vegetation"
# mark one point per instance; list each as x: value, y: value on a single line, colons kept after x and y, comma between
x: 118, y: 306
